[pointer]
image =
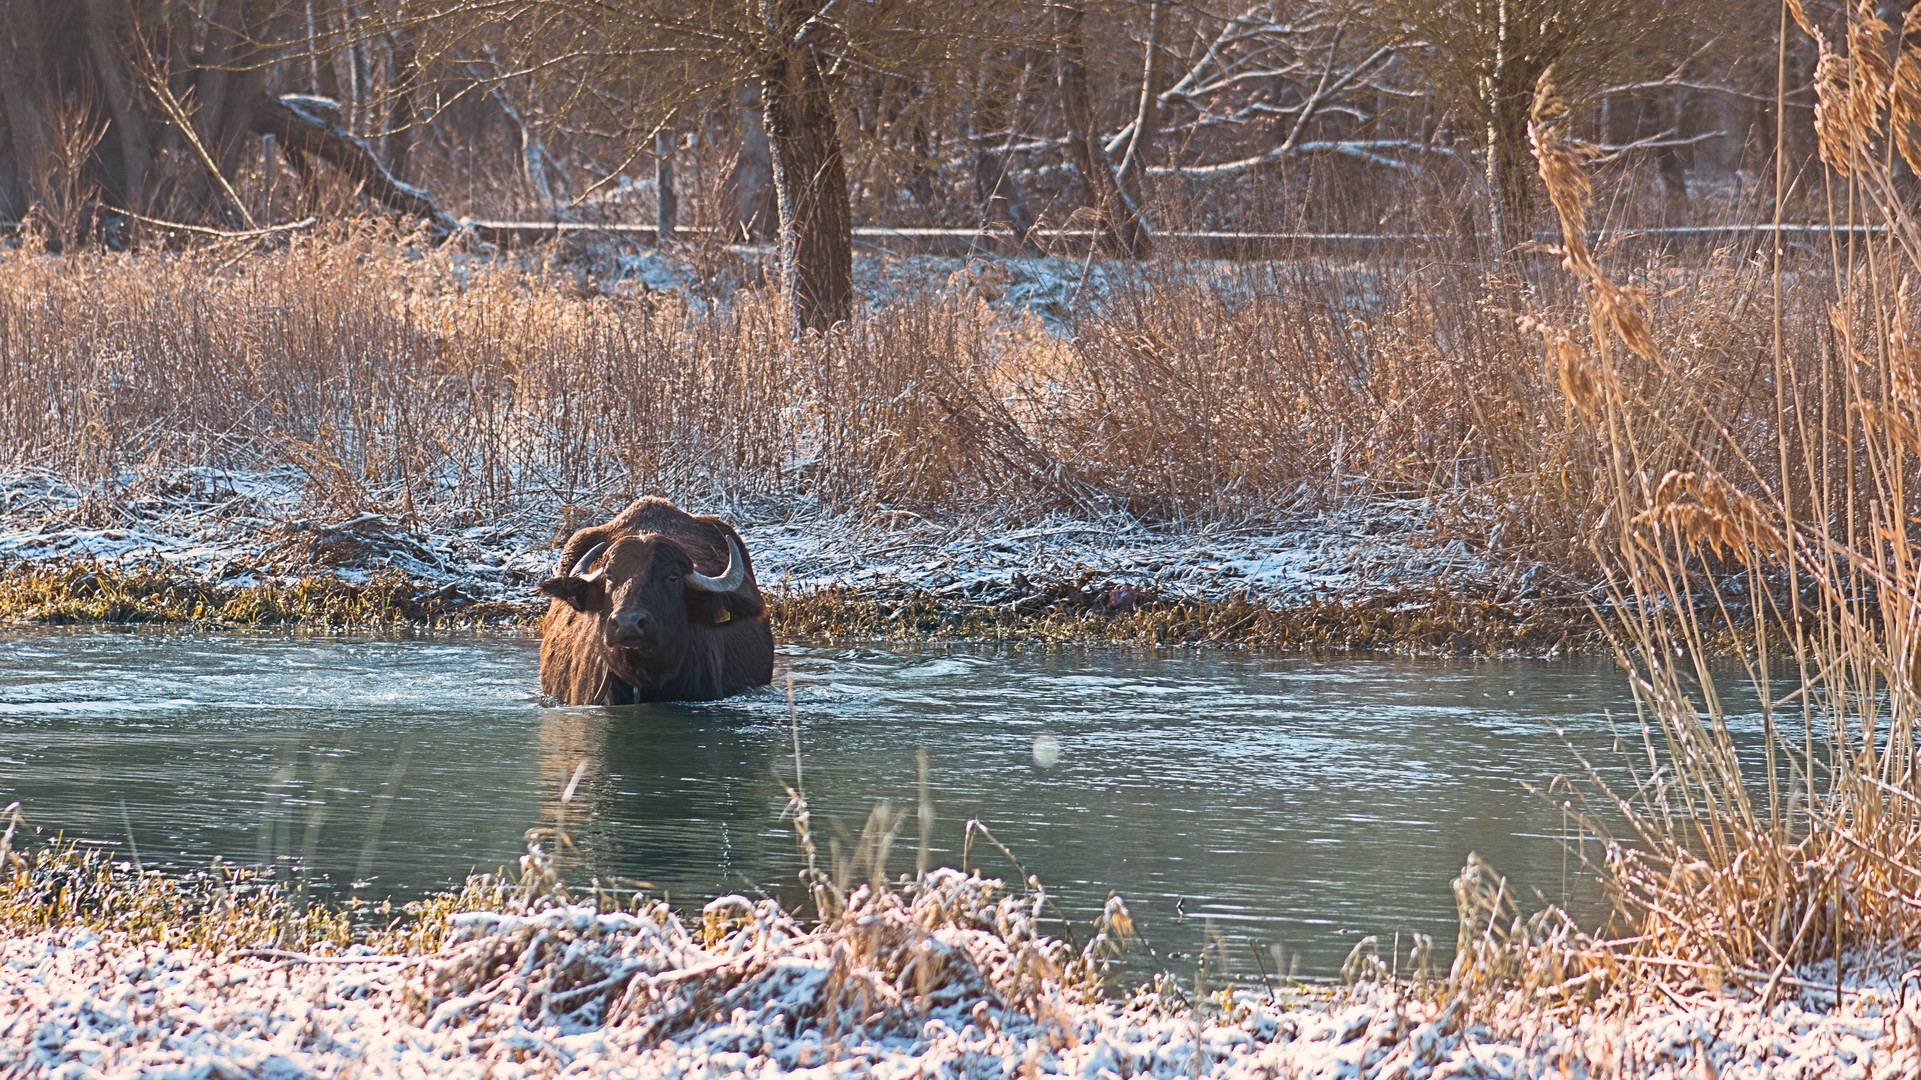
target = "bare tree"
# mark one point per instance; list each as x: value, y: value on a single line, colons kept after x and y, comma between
x: 624, y: 70
x: 993, y: 115
x: 1486, y: 56
x: 810, y: 173
x: 22, y: 91
x: 1122, y: 226
x: 751, y: 213
x: 996, y: 187
x: 175, y: 87
x: 1147, y: 117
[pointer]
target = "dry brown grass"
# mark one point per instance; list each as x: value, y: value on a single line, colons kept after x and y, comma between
x: 441, y: 388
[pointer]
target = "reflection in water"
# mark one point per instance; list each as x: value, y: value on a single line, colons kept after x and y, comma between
x: 684, y: 798
x: 1255, y: 798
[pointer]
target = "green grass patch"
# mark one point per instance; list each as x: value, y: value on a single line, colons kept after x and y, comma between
x: 60, y: 884
x: 1407, y: 622
x: 81, y: 591
x: 84, y: 592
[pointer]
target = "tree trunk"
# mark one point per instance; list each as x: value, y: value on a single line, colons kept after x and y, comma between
x: 402, y: 117
x: 230, y: 80
x: 327, y: 60
x: 1669, y: 112
x: 1802, y: 149
x: 129, y: 124
x: 1000, y: 197
x: 359, y: 69
x: 1147, y: 118
x: 752, y: 210
x: 21, y: 94
x: 13, y: 202
x: 1509, y: 94
x: 1121, y: 224
x: 667, y: 219
x: 1510, y: 160
x: 810, y: 184
x: 1510, y: 174
x: 249, y: 86
x: 920, y: 143
x: 921, y: 172
x: 176, y: 192
x: 215, y: 78
x: 248, y: 89
x: 533, y: 152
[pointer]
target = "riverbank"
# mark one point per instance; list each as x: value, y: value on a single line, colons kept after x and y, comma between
x: 225, y: 548
x: 122, y: 974
x: 1304, y: 453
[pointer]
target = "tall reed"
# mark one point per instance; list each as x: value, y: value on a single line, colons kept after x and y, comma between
x: 1742, y: 856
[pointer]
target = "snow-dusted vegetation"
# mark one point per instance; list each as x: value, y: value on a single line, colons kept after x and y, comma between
x: 952, y: 975
x: 1466, y: 440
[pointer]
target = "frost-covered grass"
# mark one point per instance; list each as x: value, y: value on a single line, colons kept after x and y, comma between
x: 353, y: 429
x: 108, y: 972
x: 773, y: 998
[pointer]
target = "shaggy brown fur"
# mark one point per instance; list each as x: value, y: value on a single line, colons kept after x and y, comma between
x: 639, y: 632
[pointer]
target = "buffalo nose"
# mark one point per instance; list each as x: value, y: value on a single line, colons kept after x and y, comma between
x: 631, y: 622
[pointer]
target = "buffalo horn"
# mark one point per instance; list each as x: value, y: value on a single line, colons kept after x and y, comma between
x: 587, y: 560
x: 729, y: 579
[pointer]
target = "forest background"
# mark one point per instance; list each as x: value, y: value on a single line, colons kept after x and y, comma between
x: 274, y: 253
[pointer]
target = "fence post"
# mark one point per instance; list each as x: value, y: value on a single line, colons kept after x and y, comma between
x: 668, y: 219
x: 270, y: 170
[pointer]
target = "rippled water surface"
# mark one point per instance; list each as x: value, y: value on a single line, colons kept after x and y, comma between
x: 1249, y: 798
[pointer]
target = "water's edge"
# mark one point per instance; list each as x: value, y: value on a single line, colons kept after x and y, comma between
x: 1256, y: 800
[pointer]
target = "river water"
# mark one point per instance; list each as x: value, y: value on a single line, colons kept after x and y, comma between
x: 1258, y: 802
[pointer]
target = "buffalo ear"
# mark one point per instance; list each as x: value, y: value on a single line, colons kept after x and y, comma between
x: 577, y: 593
x: 706, y: 607
x: 745, y: 606
x: 723, y: 607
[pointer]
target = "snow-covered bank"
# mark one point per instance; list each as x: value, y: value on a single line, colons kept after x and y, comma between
x: 939, y: 991
x: 239, y: 529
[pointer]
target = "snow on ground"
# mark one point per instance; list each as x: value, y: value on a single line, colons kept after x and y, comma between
x: 1055, y: 288
x: 237, y: 528
x: 1058, y: 288
x: 571, y: 992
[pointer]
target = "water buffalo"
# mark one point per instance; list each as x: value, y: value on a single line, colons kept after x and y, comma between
x: 634, y: 618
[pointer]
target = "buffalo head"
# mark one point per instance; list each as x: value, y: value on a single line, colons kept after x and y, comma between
x: 646, y: 598
x: 632, y: 618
